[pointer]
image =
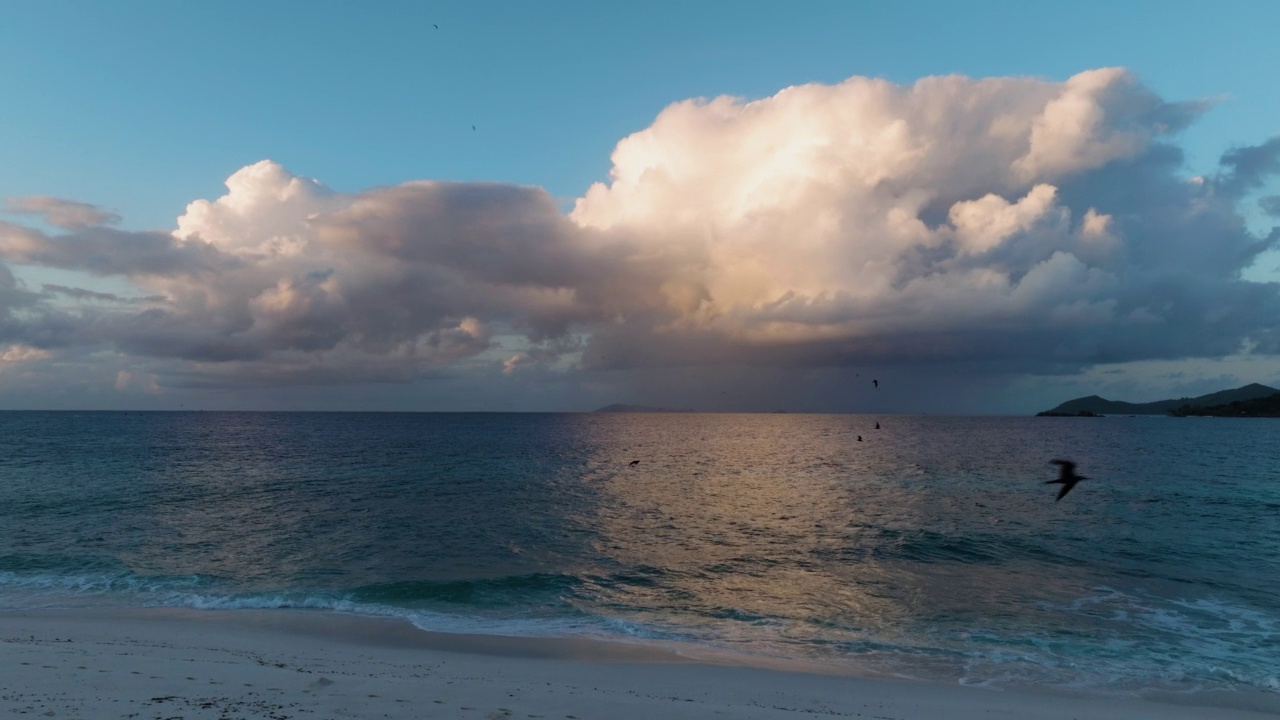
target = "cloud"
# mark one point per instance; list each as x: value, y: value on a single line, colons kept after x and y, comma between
x: 540, y: 355
x: 514, y: 362
x: 108, y: 251
x: 146, y: 382
x: 282, y: 280
x: 1016, y: 224
x: 951, y: 219
x: 21, y: 353
x: 1248, y: 168
x: 61, y: 213
x: 90, y: 295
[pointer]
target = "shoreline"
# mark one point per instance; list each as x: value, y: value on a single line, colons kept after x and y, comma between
x: 185, y: 663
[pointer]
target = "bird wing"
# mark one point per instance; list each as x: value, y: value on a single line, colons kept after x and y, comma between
x: 1068, y: 467
x: 1066, y: 488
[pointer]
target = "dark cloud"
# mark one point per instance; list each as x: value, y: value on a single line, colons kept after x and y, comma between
x: 1248, y: 168
x: 240, y: 375
x: 91, y: 295
x: 108, y: 251
x: 12, y: 294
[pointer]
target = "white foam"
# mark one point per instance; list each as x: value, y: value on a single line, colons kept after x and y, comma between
x: 1176, y: 645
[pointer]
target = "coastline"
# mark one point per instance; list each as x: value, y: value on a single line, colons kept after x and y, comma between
x: 180, y: 663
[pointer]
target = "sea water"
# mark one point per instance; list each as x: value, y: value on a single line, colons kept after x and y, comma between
x: 932, y: 548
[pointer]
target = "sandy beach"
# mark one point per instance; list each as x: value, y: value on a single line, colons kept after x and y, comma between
x: 184, y: 664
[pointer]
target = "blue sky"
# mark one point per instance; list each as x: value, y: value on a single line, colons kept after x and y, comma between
x: 142, y: 108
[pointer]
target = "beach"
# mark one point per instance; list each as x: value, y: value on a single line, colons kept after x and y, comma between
x: 748, y: 566
x: 188, y: 664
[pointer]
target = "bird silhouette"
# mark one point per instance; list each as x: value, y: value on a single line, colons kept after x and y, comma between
x: 877, y: 426
x: 876, y: 383
x: 1068, y: 478
x: 634, y: 462
x: 435, y: 26
x: 859, y: 438
x: 473, y: 128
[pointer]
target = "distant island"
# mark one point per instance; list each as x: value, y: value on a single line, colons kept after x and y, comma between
x: 620, y: 408
x: 1258, y: 407
x: 1252, y: 400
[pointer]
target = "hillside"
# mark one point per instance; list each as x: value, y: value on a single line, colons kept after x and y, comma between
x: 621, y: 408
x: 1258, y: 407
x: 1094, y: 405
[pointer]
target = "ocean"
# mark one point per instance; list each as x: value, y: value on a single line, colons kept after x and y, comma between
x: 929, y: 549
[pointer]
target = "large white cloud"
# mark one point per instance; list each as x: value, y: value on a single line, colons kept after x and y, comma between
x: 1015, y: 221
x: 953, y: 218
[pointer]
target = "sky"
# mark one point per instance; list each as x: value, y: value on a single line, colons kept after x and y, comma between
x: 989, y: 207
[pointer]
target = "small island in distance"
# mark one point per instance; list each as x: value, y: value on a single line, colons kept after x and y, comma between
x: 1252, y: 400
x: 621, y: 408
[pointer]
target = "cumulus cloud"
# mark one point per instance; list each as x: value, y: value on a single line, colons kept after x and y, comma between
x: 283, y: 280
x: 1022, y: 223
x: 60, y: 213
x: 954, y: 218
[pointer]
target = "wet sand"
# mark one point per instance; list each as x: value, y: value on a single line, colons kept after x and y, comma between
x: 187, y: 664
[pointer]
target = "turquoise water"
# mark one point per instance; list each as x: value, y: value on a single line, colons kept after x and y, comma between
x: 930, y: 549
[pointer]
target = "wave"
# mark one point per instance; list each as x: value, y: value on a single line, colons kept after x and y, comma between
x: 1114, y: 641
x: 497, y: 591
x: 522, y: 606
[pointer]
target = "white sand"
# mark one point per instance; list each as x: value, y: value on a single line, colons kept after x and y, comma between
x: 174, y: 665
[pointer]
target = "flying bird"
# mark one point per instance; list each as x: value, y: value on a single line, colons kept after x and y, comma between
x: 877, y: 426
x: 634, y: 463
x: 435, y: 26
x: 876, y: 383
x: 1068, y: 478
